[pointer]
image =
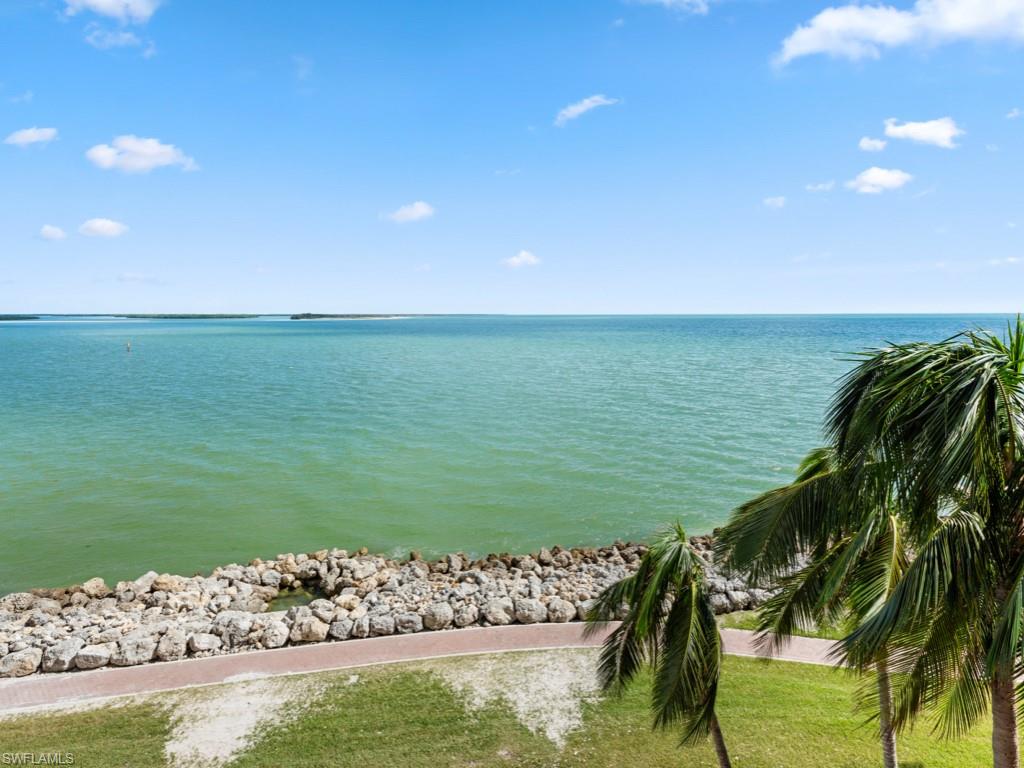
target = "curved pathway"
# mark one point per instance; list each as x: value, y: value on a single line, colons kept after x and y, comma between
x: 68, y: 688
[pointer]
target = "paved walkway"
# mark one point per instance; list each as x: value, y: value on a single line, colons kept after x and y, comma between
x: 44, y: 690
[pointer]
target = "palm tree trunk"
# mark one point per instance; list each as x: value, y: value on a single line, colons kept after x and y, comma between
x: 1004, y: 721
x: 888, y: 733
x: 720, y: 751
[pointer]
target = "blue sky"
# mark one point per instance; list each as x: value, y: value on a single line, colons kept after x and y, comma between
x: 396, y: 156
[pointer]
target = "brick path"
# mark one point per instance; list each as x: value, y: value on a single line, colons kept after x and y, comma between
x: 43, y: 690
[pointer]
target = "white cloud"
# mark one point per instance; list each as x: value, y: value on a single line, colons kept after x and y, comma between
x: 867, y: 144
x: 104, y: 39
x: 133, y: 154
x: 521, y: 259
x: 50, y: 232
x: 940, y: 132
x: 1013, y: 114
x: 876, y: 180
x: 821, y: 186
x: 103, y: 228
x: 412, y: 212
x: 1004, y: 262
x: 27, y: 136
x: 774, y: 202
x: 22, y: 98
x: 573, y: 111
x: 699, y: 7
x: 856, y: 31
x: 125, y: 11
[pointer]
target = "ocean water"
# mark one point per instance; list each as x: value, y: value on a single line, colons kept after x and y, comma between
x: 223, y: 440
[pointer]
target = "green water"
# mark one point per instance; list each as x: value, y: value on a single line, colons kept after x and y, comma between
x: 219, y: 441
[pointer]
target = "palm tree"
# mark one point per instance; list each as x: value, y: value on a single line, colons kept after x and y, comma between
x: 945, y: 422
x: 828, y: 564
x: 669, y: 624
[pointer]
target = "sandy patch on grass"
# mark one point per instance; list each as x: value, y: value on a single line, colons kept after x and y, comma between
x: 546, y: 691
x: 210, y: 726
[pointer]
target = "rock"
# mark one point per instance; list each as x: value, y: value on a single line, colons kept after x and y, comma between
x: 17, y: 602
x: 738, y: 600
x: 96, y: 588
x: 61, y: 657
x: 172, y: 645
x: 562, y: 560
x: 364, y: 570
x: 382, y: 624
x: 758, y: 597
x: 297, y: 613
x: 499, y: 611
x: 407, y: 623
x: 233, y: 627
x: 142, y: 584
x: 275, y: 635
x: 349, y: 602
x: 719, y: 603
x: 37, y: 618
x: 560, y: 610
x: 583, y: 609
x: 47, y: 606
x: 716, y: 584
x: 530, y: 611
x: 309, y: 630
x: 136, y: 648
x: 201, y: 642
x: 323, y: 610
x: 20, y: 663
x: 165, y: 582
x: 466, y: 615
x: 155, y: 616
x: 93, y: 656
x: 341, y: 630
x: 438, y: 616
x: 361, y: 627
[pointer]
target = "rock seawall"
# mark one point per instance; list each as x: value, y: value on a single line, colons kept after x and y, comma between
x: 162, y: 617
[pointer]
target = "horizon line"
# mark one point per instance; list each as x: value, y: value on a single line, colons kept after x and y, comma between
x: 241, y: 315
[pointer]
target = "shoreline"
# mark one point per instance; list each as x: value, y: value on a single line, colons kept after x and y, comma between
x: 166, y: 617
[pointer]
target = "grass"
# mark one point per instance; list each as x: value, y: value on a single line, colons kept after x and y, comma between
x: 114, y: 737
x: 748, y: 620
x: 773, y: 714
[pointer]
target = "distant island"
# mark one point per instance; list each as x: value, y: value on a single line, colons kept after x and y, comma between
x: 19, y: 317
x: 187, y: 317
x: 315, y: 316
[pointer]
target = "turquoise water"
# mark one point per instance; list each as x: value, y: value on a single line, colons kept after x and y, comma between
x: 219, y: 441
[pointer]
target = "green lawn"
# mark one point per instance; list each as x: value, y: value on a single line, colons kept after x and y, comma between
x: 773, y: 714
x: 748, y: 620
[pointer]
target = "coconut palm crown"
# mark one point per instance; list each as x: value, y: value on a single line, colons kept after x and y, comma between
x: 940, y: 427
x: 828, y: 566
x: 667, y: 623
